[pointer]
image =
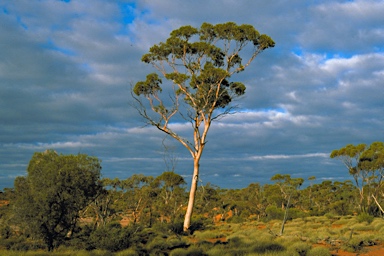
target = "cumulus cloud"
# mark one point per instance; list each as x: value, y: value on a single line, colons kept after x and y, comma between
x: 67, y: 66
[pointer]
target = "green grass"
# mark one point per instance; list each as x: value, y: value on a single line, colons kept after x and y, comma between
x: 56, y: 253
x: 301, y: 236
x: 210, y: 234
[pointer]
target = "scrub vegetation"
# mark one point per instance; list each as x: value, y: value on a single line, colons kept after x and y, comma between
x: 63, y: 207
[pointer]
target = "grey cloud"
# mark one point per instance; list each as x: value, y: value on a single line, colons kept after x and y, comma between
x: 344, y: 27
x: 68, y: 67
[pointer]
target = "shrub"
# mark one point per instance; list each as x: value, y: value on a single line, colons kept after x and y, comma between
x: 301, y: 248
x: 179, y: 252
x: 354, y: 245
x: 113, y: 237
x: 192, y: 251
x: 198, y: 224
x: 319, y: 251
x: 357, y: 243
x: 176, y: 227
x: 22, y: 244
x: 295, y: 213
x: 274, y: 213
x: 158, y: 244
x: 362, y: 227
x: 267, y: 246
x: 80, y: 238
x: 209, y: 234
x: 362, y: 217
x: 331, y: 216
x: 236, y: 242
x: 236, y: 219
x: 5, y: 232
x: 128, y: 252
x: 205, y: 245
x: 174, y: 242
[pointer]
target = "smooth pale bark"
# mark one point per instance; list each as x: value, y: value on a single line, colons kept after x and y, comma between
x: 199, y: 63
x: 192, y: 194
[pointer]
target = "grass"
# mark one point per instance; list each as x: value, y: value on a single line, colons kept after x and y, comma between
x: 303, y: 236
x: 57, y: 253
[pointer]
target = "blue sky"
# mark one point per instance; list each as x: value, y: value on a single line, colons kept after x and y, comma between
x: 66, y: 69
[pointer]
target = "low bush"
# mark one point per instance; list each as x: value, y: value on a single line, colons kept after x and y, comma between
x: 192, y: 251
x: 331, y: 216
x: 319, y: 251
x: 274, y: 213
x: 267, y: 246
x: 210, y: 234
x: 362, y: 227
x: 22, y: 244
x: 365, y: 217
x: 301, y: 248
x: 236, y: 219
x: 128, y: 252
x: 355, y: 244
x: 114, y: 237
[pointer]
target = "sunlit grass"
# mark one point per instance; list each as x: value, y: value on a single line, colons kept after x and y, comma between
x: 302, y: 236
x: 57, y: 253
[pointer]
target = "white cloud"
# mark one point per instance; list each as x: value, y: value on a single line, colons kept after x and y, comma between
x: 66, y: 70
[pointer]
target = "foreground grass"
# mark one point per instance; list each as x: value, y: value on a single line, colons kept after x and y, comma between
x: 304, y: 236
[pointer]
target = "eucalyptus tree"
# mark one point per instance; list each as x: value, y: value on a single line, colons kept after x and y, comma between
x: 366, y: 165
x: 138, y: 195
x: 289, y: 187
x: 197, y: 64
x: 171, y: 195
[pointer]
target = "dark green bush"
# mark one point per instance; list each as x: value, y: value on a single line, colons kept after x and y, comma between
x: 162, y: 245
x: 267, y: 246
x: 5, y: 232
x: 21, y: 244
x: 236, y: 219
x: 331, y: 216
x: 236, y: 242
x: 362, y: 217
x: 80, y: 239
x: 205, y: 245
x: 192, y: 251
x: 301, y: 248
x: 176, y: 227
x: 158, y: 246
x: 114, y: 238
x: 295, y: 213
x: 274, y: 213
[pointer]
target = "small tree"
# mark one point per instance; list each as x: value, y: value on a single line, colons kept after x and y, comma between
x: 288, y: 187
x: 56, y: 188
x: 366, y: 165
x: 171, y: 195
x: 198, y: 64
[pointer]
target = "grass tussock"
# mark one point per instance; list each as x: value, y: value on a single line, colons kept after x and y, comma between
x: 311, y: 236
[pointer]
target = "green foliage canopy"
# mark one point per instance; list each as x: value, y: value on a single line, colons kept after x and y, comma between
x: 200, y: 62
x: 56, y: 188
x: 366, y: 165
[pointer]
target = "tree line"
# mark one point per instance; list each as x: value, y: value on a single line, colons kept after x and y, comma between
x: 63, y: 195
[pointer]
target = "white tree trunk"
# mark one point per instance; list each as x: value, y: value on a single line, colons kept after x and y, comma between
x: 192, y: 194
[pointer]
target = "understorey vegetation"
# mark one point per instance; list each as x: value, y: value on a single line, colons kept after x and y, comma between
x: 64, y: 207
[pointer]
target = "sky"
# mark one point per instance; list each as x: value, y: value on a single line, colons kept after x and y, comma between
x: 66, y: 70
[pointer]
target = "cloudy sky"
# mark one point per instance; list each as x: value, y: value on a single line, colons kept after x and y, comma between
x: 66, y: 69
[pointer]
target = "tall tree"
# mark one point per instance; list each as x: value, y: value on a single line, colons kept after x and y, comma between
x: 56, y: 188
x: 198, y: 64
